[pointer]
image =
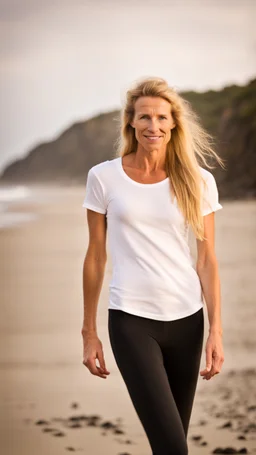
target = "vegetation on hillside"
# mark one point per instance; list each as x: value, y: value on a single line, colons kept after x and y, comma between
x: 228, y: 114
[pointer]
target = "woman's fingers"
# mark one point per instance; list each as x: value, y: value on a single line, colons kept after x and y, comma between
x: 214, y: 357
x: 217, y: 361
x: 208, y: 362
x: 93, y: 352
x: 100, y: 357
x: 90, y: 363
x: 94, y: 369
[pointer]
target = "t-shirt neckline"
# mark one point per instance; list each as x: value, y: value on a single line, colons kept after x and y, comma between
x: 126, y: 176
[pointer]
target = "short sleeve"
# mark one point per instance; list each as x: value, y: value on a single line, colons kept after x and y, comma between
x: 210, y: 200
x: 94, y: 193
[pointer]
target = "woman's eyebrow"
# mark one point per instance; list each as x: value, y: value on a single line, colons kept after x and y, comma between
x: 146, y: 113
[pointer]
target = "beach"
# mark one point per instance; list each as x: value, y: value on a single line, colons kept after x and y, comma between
x: 50, y: 403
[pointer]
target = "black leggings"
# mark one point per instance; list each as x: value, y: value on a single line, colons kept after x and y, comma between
x: 159, y: 362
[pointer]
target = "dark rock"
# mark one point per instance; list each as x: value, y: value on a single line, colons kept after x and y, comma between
x: 60, y: 433
x: 251, y: 408
x: 196, y: 438
x: 75, y: 425
x: 71, y: 449
x: 251, y: 426
x: 74, y: 405
x: 202, y: 422
x: 42, y: 422
x: 228, y: 450
x: 93, y: 420
x: 94, y: 417
x: 250, y: 372
x: 118, y: 431
x: 91, y: 423
x: 107, y: 425
x: 77, y: 418
x: 225, y: 450
x: 226, y: 425
x: 241, y: 437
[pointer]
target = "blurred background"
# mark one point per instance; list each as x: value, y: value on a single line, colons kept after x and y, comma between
x: 65, y: 68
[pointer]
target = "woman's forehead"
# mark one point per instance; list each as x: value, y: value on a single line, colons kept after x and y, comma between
x: 152, y: 104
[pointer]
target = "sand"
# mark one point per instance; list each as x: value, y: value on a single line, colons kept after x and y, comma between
x: 50, y: 403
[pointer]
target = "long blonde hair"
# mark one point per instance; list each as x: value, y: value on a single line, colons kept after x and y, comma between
x: 188, y: 141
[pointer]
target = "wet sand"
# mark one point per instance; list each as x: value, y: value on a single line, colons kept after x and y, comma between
x: 50, y: 403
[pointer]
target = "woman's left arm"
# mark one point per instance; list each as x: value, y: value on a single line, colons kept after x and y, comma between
x: 207, y: 270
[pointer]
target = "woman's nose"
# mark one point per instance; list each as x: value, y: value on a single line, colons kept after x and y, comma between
x: 153, y: 126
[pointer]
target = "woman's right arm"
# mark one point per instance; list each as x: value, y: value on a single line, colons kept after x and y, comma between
x: 93, y: 274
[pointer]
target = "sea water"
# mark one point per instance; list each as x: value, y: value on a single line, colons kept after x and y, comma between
x: 10, y: 195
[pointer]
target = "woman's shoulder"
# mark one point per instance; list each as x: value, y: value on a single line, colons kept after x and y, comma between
x: 99, y: 169
x: 102, y: 167
x: 204, y: 172
x: 99, y: 166
x: 105, y: 171
x: 210, y: 193
x: 207, y: 175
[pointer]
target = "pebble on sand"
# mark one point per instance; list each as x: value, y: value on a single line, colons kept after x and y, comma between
x: 228, y: 450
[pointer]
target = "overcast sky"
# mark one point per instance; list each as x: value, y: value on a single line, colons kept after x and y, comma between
x: 66, y: 60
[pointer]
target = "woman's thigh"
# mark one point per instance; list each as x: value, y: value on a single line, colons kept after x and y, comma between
x: 139, y: 358
x: 182, y: 351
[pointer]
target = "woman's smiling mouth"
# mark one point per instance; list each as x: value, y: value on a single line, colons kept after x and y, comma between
x: 153, y: 138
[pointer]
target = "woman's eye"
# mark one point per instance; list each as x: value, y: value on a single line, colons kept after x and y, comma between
x: 162, y: 116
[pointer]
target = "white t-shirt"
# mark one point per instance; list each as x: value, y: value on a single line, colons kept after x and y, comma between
x: 153, y: 273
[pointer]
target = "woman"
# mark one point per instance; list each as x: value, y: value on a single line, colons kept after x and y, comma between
x: 147, y: 198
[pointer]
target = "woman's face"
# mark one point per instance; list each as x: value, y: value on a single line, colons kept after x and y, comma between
x: 152, y: 122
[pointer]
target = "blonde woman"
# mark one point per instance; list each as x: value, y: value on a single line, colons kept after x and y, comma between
x: 147, y: 197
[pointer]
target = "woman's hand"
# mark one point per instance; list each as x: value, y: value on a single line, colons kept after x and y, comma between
x: 214, y: 355
x: 93, y: 350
